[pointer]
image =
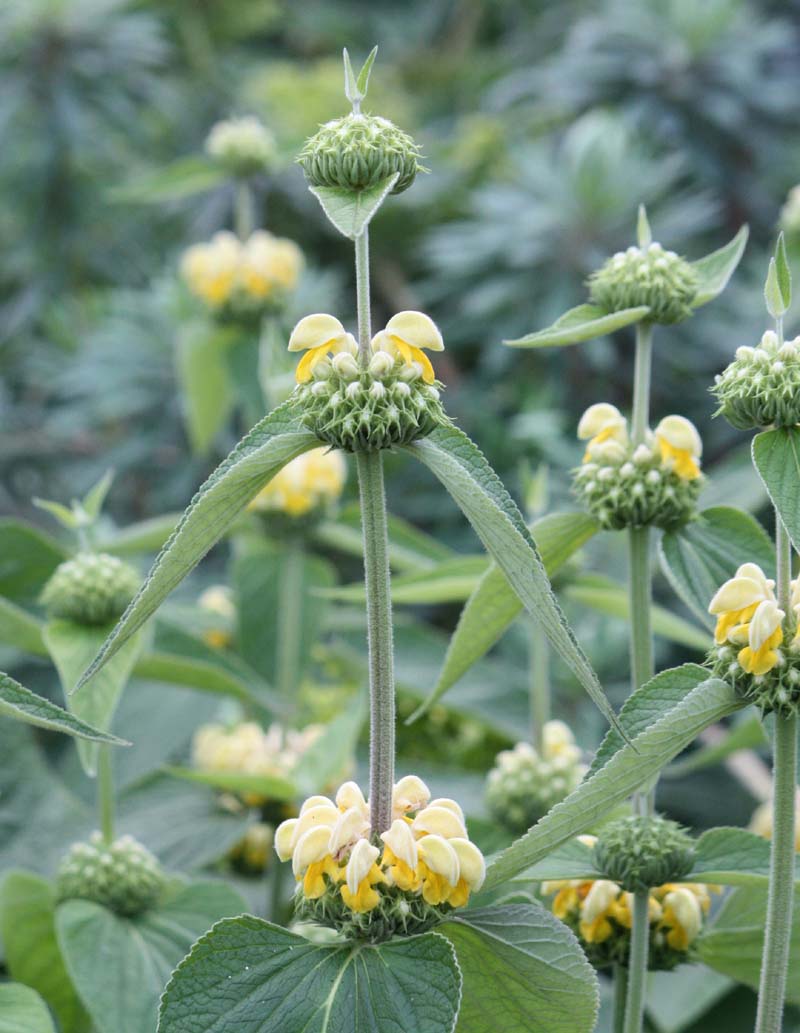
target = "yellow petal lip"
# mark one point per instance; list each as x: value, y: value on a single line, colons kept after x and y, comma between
x: 599, y: 417
x: 400, y: 840
x: 310, y: 848
x: 441, y: 821
x: 361, y: 860
x: 416, y: 329
x: 440, y: 857
x: 349, y: 795
x: 349, y: 828
x: 316, y: 331
x: 680, y: 433
x: 471, y: 863
x: 765, y: 622
x: 284, y: 838
x: 324, y: 815
x: 410, y: 794
x: 736, y: 594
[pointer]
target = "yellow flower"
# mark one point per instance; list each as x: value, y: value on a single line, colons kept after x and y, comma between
x: 737, y: 600
x: 401, y: 856
x: 603, y: 423
x: 765, y: 634
x: 680, y: 446
x: 682, y: 917
x: 599, y: 905
x: 269, y: 264
x: 211, y: 269
x: 319, y: 335
x: 406, y: 335
x: 439, y: 869
x: 362, y: 875
x: 307, y: 482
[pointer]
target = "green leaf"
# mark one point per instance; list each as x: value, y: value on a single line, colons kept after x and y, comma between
x: 138, y: 954
x: 582, y: 323
x: 602, y: 594
x: 27, y: 559
x: 776, y: 456
x: 269, y: 446
x: 678, y: 999
x: 644, y: 235
x: 145, y: 536
x: 409, y: 548
x: 714, y: 270
x: 23, y: 705
x: 703, y: 554
x: 27, y: 925
x: 95, y: 497
x: 453, y: 580
x: 772, y: 292
x: 351, y: 211
x: 200, y: 674
x: 22, y: 1010
x: 20, y: 629
x: 183, y: 178
x: 207, y: 395
x: 523, y: 972
x: 733, y: 942
x: 748, y: 734
x: 330, y: 756
x: 732, y: 857
x: 238, y: 782
x: 71, y: 647
x: 363, y: 75
x: 403, y: 986
x: 463, y: 470
x: 493, y: 604
x: 571, y: 860
x: 66, y: 516
x: 784, y: 272
x: 629, y: 768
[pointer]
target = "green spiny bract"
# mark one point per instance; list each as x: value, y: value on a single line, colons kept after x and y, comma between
x: 92, y: 588
x: 636, y: 490
x: 523, y: 785
x: 360, y: 151
x: 640, y: 853
x: 777, y: 691
x: 761, y: 387
x: 123, y: 875
x: 360, y: 410
x: 650, y: 276
x: 398, y: 914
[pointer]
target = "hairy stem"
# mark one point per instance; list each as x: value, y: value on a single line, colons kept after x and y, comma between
x: 379, y: 635
x: 640, y: 417
x: 777, y: 933
x: 539, y: 688
x: 244, y: 215
x: 290, y: 615
x: 362, y: 293
x: 620, y: 993
x: 105, y: 792
x: 637, y: 964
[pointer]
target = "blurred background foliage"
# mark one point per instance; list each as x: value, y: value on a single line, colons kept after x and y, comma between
x: 543, y: 127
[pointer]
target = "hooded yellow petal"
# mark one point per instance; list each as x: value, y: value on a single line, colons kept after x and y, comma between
x: 440, y: 857
x: 602, y: 417
x: 440, y: 821
x: 311, y: 847
x: 284, y: 838
x: 316, y: 331
x: 416, y: 329
x: 681, y: 434
x: 471, y: 864
x: 736, y: 594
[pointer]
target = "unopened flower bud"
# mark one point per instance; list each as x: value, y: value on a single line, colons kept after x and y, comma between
x: 345, y: 365
x: 92, y: 588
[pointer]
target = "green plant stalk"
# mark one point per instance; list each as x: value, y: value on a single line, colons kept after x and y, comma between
x: 377, y: 579
x: 244, y: 214
x: 105, y: 792
x: 620, y: 993
x: 539, y: 687
x: 290, y: 616
x: 778, y: 929
x: 276, y: 901
x: 637, y: 964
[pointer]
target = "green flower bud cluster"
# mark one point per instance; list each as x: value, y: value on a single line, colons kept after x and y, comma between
x: 243, y: 146
x: 761, y: 387
x: 398, y: 914
x: 524, y: 783
x: 650, y: 276
x: 92, y: 588
x: 640, y: 853
x: 634, y: 489
x: 777, y: 691
x: 360, y: 410
x: 122, y: 875
x: 360, y: 151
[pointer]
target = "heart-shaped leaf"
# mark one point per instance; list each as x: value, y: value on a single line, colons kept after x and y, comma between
x: 776, y: 456
x: 351, y: 211
x: 23, y: 705
x: 582, y: 323
x: 250, y: 974
x: 714, y: 270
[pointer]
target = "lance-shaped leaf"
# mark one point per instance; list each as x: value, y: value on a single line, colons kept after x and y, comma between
x: 183, y: 178
x: 715, y: 269
x: 22, y: 1010
x: 270, y: 445
x: 493, y: 604
x: 776, y: 456
x: 582, y: 323
x: 703, y: 554
x: 252, y: 975
x: 451, y: 581
x: 628, y: 769
x: 778, y: 288
x: 272, y: 786
x: 23, y: 705
x: 523, y: 970
x: 351, y: 211
x: 476, y: 488
x: 206, y: 388
x: 71, y: 647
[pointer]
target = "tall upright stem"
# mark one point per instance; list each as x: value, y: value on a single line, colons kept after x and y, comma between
x: 539, y: 689
x: 290, y: 618
x: 620, y: 993
x: 777, y: 933
x: 105, y: 792
x: 244, y: 216
x: 637, y: 964
x: 640, y: 416
x: 377, y: 577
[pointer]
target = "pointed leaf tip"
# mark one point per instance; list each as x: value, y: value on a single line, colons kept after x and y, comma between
x: 363, y: 76
x: 643, y: 232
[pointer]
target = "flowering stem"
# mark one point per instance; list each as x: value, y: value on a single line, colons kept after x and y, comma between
x: 620, y: 993
x: 244, y: 216
x: 539, y: 683
x: 640, y: 416
x: 777, y: 933
x: 105, y: 792
x: 637, y: 963
x: 290, y: 618
x: 362, y: 294
x: 379, y: 635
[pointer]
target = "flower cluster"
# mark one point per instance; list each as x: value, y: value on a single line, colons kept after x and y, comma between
x: 525, y: 782
x: 359, y: 151
x: 394, y: 400
x: 122, y: 875
x: 305, y: 487
x: 242, y: 278
x: 750, y: 649
x: 91, y: 589
x: 243, y: 146
x: 600, y: 913
x: 663, y: 281
x: 219, y: 611
x: 374, y: 886
x: 761, y: 387
x: 655, y: 483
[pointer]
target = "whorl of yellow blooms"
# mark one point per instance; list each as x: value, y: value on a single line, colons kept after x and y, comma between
x: 675, y: 440
x: 226, y: 271
x: 311, y: 480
